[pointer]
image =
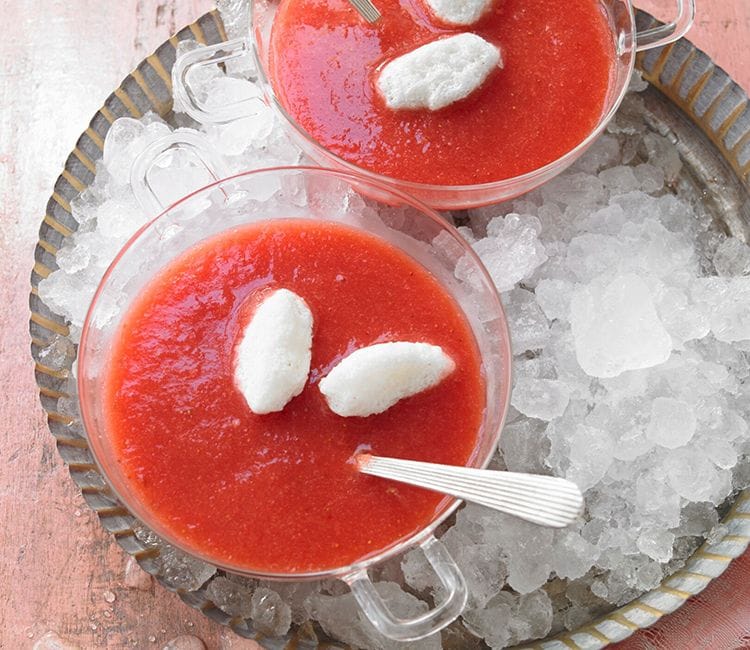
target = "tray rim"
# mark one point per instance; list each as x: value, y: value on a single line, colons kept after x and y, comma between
x: 148, y: 87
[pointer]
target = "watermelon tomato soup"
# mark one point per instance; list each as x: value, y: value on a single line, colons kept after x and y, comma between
x: 279, y: 493
x: 557, y: 65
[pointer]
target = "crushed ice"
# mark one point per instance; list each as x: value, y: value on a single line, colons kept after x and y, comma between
x: 630, y: 315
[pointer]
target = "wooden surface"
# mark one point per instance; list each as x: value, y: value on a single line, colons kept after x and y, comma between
x: 60, y: 572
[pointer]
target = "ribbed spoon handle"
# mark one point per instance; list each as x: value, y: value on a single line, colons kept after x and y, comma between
x: 543, y: 500
x: 367, y: 10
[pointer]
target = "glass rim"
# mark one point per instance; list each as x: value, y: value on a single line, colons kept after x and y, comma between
x: 447, y: 505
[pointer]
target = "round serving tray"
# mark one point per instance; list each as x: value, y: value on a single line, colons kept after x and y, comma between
x: 690, y: 100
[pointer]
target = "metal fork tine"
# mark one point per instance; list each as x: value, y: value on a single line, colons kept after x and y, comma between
x: 366, y: 9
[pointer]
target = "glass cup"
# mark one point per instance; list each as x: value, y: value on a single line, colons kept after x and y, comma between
x: 315, y: 194
x: 626, y: 38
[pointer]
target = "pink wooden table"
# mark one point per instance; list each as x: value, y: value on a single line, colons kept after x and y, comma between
x: 59, y: 571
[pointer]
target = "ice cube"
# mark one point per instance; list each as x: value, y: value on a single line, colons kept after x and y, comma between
x: 654, y: 498
x: 553, y: 268
x: 182, y: 571
x: 572, y: 555
x: 234, y: 16
x: 58, y: 354
x: 562, y: 351
x: 652, y: 249
x: 235, y: 137
x: 83, y: 207
x: 544, y: 399
x: 479, y: 561
x: 230, y: 596
x: 683, y: 320
x: 732, y: 258
x: 650, y: 177
x: 608, y: 220
x: 524, y: 446
x: 630, y: 442
x: 119, y: 219
x: 692, y: 475
x: 741, y: 474
x: 637, y: 83
x: 591, y: 255
x: 510, y: 618
x: 664, y: 155
x: 527, y: 548
x: 577, y: 189
x: 342, y: 619
x: 528, y: 325
x: 271, y: 615
x: 728, y: 303
x: 492, y: 622
x: 467, y: 233
x: 68, y: 295
x: 576, y: 616
x: 71, y: 259
x: 599, y: 588
x: 649, y: 575
x: 657, y: 544
x: 513, y: 253
x: 125, y: 140
x: 697, y: 518
x: 605, y: 152
x: 591, y: 454
x: 294, y: 594
x: 616, y: 327
x: 554, y: 298
x: 533, y: 619
x: 672, y: 423
x: 619, y: 180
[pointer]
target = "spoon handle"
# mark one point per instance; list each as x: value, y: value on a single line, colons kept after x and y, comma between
x: 367, y: 10
x: 544, y: 500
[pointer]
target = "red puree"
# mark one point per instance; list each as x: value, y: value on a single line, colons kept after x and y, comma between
x: 277, y: 493
x: 547, y: 99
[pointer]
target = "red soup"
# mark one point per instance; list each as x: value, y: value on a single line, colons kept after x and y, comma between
x: 278, y: 492
x: 558, y: 58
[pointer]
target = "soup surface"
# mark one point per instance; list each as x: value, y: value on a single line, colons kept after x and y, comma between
x: 278, y: 492
x: 558, y: 59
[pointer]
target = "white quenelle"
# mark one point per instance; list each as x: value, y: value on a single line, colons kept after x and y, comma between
x: 272, y: 361
x: 438, y: 74
x: 372, y: 379
x: 459, y: 12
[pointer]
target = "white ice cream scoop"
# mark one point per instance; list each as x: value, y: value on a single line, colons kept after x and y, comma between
x: 372, y: 379
x: 459, y: 12
x: 439, y: 73
x: 272, y: 361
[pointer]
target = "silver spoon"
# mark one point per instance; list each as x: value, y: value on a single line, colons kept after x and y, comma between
x: 366, y: 9
x: 543, y: 500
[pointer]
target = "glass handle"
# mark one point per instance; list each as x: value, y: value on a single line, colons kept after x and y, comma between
x: 665, y: 34
x: 146, y: 194
x: 206, y: 56
x: 431, y: 621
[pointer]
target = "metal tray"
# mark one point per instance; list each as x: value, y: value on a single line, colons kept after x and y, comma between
x: 690, y: 100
